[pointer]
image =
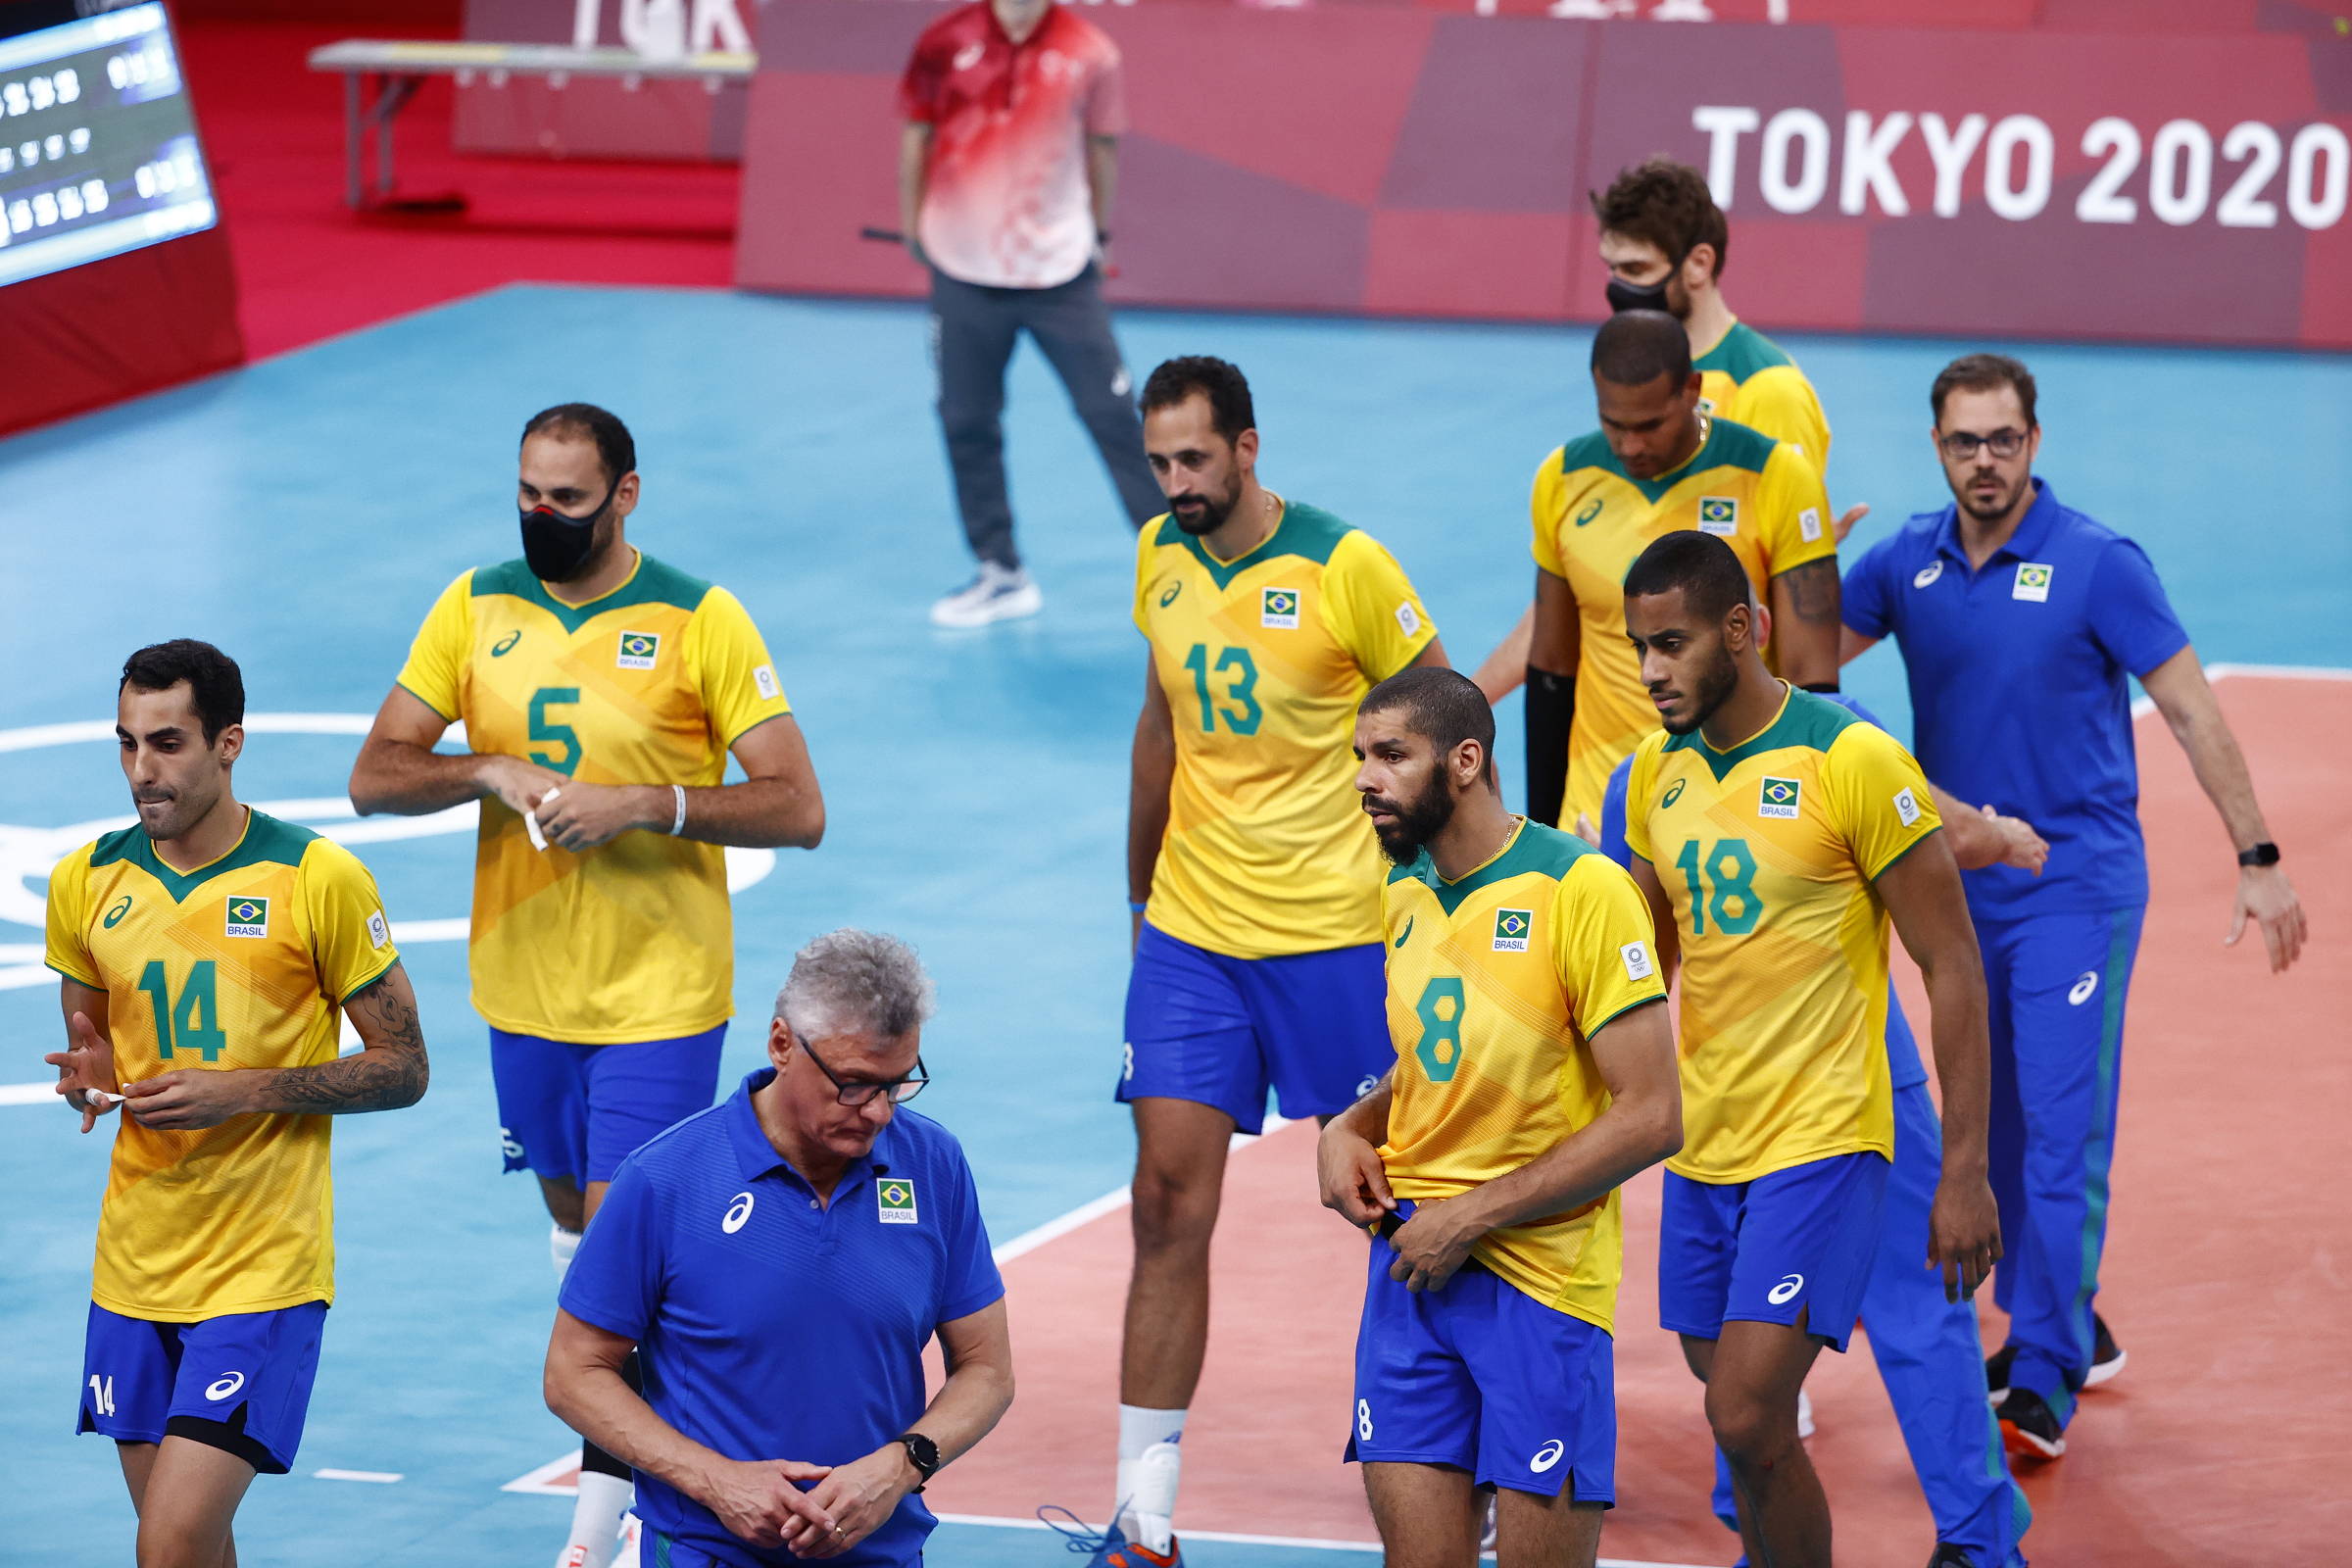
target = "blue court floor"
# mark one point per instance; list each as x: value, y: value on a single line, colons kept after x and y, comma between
x: 304, y: 513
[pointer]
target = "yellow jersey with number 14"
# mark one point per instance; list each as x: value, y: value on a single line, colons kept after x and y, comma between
x: 1592, y: 520
x: 242, y: 963
x: 1769, y: 851
x: 1262, y: 660
x: 1497, y: 984
x: 650, y: 684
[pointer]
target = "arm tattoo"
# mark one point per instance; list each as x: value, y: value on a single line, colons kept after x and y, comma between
x: 388, y: 1075
x: 1813, y: 590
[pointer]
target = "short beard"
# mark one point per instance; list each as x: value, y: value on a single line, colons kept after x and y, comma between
x: 1417, y: 822
x: 1214, y: 512
x: 2001, y: 510
x: 1715, y: 689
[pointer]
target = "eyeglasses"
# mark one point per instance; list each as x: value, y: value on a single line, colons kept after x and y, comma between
x: 1961, y: 445
x: 899, y: 1090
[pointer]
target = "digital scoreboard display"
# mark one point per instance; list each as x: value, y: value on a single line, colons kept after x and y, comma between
x: 98, y: 150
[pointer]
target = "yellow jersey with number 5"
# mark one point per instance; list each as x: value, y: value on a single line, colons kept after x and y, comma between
x: 1497, y: 982
x: 649, y: 684
x: 1769, y: 853
x: 242, y: 963
x: 1262, y: 660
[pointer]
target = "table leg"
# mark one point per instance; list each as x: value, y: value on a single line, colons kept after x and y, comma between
x: 355, y: 190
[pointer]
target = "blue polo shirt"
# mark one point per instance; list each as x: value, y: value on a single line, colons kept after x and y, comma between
x: 771, y: 1326
x: 2019, y: 699
x: 1903, y: 1067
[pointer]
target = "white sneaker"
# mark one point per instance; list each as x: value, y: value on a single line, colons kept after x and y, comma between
x: 632, y: 1536
x: 997, y: 593
x: 1804, y: 1414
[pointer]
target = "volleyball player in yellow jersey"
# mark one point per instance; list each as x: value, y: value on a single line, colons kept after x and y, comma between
x: 1657, y: 465
x: 1774, y: 834
x: 206, y: 955
x: 1253, y: 877
x: 1533, y: 1073
x: 1664, y: 241
x: 602, y: 692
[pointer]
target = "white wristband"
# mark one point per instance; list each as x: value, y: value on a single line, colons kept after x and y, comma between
x: 678, y: 824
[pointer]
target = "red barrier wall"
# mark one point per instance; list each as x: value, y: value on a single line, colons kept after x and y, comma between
x: 1406, y: 161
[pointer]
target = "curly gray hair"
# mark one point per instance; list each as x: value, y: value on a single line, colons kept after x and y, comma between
x: 851, y: 980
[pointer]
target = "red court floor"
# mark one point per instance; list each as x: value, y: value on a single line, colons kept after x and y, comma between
x: 2222, y: 1444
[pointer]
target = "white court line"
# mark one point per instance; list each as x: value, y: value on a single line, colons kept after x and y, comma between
x: 1303, y: 1543
x: 383, y: 1478
x: 27, y: 1094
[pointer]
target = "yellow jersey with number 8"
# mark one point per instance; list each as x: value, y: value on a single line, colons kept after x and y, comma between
x: 649, y: 684
x: 1497, y: 984
x: 1262, y: 660
x: 242, y: 963
x: 1769, y: 851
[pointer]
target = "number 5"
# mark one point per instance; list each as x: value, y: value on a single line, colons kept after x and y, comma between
x: 564, y: 735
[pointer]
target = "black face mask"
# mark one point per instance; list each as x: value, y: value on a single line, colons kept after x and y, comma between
x: 1624, y: 296
x: 556, y: 546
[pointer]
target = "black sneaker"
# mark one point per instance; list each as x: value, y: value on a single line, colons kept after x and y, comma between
x: 2028, y: 1427
x: 1997, y: 1373
x: 1948, y: 1555
x: 2106, y: 1356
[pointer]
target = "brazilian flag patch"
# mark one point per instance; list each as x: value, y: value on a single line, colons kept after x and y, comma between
x: 1719, y: 515
x: 1511, y: 929
x: 248, y: 917
x: 1278, y: 608
x: 895, y: 1197
x: 638, y: 649
x: 1778, y: 798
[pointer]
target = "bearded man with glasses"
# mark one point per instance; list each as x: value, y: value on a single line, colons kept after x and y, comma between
x: 2019, y: 619
x: 778, y: 1263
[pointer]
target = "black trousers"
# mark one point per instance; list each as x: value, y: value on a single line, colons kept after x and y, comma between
x: 973, y: 330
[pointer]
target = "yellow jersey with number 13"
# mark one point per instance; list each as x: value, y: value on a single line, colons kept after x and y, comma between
x: 245, y: 962
x: 650, y: 684
x: 1769, y: 851
x: 1263, y: 660
x: 1497, y: 984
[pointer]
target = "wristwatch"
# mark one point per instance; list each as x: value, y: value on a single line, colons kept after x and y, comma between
x: 922, y: 1453
x: 2259, y: 854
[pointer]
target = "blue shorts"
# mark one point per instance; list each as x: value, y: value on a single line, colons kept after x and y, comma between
x: 240, y: 1382
x: 576, y: 1112
x: 1313, y: 1026
x: 1793, y: 1241
x: 1483, y: 1377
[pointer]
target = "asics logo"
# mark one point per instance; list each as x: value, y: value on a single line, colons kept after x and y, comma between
x: 1786, y: 1291
x: 1927, y: 573
x: 1547, y: 1456
x: 500, y: 648
x: 2083, y: 988
x: 1407, y: 931
x: 113, y: 916
x: 1366, y: 1086
x: 222, y: 1388
x: 737, y: 1213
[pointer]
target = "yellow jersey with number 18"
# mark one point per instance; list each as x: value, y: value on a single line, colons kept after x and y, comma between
x: 1592, y: 520
x: 1497, y: 984
x: 1769, y: 851
x: 242, y: 963
x: 650, y: 684
x: 1262, y: 660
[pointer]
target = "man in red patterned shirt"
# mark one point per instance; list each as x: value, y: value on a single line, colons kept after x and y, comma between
x: 1007, y: 166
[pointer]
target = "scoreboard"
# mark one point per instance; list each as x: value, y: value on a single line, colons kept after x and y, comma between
x: 98, y: 150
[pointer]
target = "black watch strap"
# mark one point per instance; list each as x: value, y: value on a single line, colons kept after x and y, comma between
x: 2259, y: 854
x: 922, y: 1453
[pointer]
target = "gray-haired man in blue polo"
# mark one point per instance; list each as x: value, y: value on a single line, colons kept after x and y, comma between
x: 2020, y: 621
x: 778, y: 1262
